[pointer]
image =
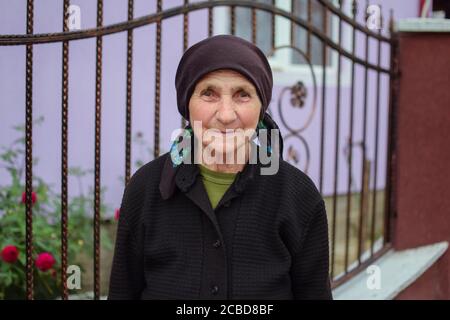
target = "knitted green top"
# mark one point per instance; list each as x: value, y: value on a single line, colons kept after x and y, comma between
x: 216, y: 183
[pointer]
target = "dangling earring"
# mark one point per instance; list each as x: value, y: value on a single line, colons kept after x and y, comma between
x: 179, y: 156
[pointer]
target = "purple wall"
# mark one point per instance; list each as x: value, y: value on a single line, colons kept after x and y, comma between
x: 47, y: 93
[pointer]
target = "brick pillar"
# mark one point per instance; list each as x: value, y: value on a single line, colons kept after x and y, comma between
x: 423, y: 155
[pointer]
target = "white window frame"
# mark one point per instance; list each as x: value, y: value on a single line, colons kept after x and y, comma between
x: 286, y: 73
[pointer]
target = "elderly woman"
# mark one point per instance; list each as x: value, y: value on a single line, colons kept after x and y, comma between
x: 196, y: 229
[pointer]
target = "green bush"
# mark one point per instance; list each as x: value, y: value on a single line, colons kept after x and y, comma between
x: 46, y: 227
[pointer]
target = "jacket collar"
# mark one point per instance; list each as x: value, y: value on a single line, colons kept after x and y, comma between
x: 185, y: 175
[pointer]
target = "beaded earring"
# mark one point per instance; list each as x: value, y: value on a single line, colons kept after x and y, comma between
x: 179, y: 155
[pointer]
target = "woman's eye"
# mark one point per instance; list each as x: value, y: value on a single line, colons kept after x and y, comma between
x: 207, y: 93
x: 244, y: 94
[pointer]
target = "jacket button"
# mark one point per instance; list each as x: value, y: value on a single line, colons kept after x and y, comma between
x: 215, y: 290
x: 217, y: 244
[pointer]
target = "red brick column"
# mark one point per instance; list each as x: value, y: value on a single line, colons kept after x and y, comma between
x: 423, y: 155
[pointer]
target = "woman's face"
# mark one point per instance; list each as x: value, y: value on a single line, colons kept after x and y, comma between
x: 224, y: 100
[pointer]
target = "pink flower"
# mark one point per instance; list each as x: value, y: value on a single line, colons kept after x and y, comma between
x: 10, y: 254
x: 33, y: 197
x: 45, y: 261
x: 116, y: 214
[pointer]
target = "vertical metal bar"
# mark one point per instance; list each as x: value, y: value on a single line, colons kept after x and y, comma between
x: 233, y: 20
x: 185, y: 43
x: 293, y: 6
x: 253, y: 25
x: 377, y: 117
x: 389, y: 208
x: 362, y: 207
x: 129, y: 94
x: 336, y: 160
x: 64, y: 152
x: 350, y: 160
x: 210, y: 21
x: 157, y: 79
x: 308, y: 44
x: 29, y: 154
x: 185, y: 27
x: 323, y: 115
x: 98, y: 112
x: 322, y: 121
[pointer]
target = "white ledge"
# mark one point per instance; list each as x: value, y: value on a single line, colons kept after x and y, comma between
x: 423, y: 25
x: 397, y: 270
x: 89, y: 295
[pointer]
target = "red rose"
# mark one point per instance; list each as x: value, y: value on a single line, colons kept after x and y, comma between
x: 45, y: 261
x: 33, y: 197
x: 117, y: 214
x: 10, y: 254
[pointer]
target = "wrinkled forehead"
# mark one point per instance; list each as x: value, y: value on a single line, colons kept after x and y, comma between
x: 226, y: 78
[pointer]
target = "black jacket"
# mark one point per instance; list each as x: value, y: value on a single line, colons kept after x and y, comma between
x: 266, y: 239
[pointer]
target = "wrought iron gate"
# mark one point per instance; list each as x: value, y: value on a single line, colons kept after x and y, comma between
x: 298, y: 92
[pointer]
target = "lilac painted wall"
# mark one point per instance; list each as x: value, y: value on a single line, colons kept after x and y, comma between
x: 47, y: 93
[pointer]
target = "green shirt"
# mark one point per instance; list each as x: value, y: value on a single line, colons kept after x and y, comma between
x: 216, y: 183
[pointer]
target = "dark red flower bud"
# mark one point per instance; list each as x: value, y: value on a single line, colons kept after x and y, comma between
x: 33, y: 197
x: 10, y: 254
x: 45, y: 261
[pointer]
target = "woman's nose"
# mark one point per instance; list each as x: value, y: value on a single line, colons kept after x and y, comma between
x: 226, y: 113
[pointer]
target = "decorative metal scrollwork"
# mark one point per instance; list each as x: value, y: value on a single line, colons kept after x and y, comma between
x: 298, y: 99
x: 298, y: 94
